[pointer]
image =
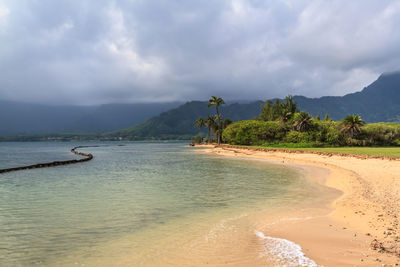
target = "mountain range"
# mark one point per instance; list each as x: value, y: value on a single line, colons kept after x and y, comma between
x: 378, y: 102
x: 179, y: 122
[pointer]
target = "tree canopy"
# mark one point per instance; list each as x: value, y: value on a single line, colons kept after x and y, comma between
x: 278, y: 110
x: 351, y: 125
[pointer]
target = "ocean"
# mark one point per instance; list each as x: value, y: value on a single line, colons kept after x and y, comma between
x: 144, y: 204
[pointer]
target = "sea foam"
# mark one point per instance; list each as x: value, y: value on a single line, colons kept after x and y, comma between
x: 284, y: 252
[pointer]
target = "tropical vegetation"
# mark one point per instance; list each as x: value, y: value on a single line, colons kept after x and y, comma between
x: 281, y: 124
x: 217, y: 102
x: 215, y: 123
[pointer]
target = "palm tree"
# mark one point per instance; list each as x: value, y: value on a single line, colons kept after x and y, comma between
x: 218, y: 127
x: 327, y: 117
x: 217, y: 102
x: 289, y: 108
x: 199, y: 123
x: 214, y: 128
x: 302, y: 121
x: 209, y: 122
x: 351, y: 125
x: 285, y: 116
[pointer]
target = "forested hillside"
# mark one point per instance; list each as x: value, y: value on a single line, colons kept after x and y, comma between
x: 379, y: 102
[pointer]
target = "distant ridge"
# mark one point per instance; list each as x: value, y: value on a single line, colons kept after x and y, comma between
x: 179, y: 121
x: 26, y: 118
x: 378, y: 102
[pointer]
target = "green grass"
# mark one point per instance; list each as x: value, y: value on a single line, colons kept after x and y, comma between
x: 393, y: 152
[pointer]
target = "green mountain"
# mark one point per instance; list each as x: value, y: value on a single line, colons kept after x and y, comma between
x: 379, y: 102
x: 178, y: 122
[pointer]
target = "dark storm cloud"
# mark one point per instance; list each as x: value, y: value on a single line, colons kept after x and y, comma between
x: 102, y: 51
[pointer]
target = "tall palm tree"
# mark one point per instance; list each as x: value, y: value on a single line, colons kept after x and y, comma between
x: 302, y: 121
x: 209, y: 122
x: 218, y: 127
x: 214, y: 128
x: 351, y: 125
x: 217, y: 102
x: 200, y: 123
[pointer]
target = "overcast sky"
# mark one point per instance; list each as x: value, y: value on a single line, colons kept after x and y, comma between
x: 102, y: 51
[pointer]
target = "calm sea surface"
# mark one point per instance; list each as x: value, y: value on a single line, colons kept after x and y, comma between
x: 128, y: 201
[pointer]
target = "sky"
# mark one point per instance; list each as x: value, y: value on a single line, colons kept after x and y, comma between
x: 122, y: 51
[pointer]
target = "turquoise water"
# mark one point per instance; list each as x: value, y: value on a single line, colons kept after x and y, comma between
x: 47, y: 215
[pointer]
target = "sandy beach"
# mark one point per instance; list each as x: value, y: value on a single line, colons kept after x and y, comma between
x: 358, y: 228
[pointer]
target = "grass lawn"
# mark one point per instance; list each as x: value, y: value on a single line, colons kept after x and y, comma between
x: 393, y: 152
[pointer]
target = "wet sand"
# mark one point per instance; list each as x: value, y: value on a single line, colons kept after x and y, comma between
x: 359, y: 228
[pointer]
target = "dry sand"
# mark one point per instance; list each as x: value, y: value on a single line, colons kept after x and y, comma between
x: 362, y: 228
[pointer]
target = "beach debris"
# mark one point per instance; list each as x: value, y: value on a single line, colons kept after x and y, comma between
x: 376, y: 245
x: 386, y: 247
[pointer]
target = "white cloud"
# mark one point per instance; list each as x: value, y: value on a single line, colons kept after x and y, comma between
x: 121, y: 46
x: 351, y: 80
x: 4, y: 12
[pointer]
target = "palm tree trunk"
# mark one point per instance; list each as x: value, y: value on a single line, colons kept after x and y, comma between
x: 208, y: 137
x: 219, y: 127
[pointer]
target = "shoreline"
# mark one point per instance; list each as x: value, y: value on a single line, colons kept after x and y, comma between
x: 297, y: 151
x: 362, y: 227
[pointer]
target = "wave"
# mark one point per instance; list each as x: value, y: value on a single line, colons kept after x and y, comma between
x: 284, y: 252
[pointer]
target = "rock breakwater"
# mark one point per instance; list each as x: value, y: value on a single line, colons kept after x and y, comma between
x: 87, y: 157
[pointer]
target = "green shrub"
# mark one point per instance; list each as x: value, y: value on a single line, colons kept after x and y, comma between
x: 253, y: 132
x: 320, y: 133
x: 381, y: 134
x: 354, y: 142
x: 328, y: 132
x: 197, y: 140
x: 298, y: 137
